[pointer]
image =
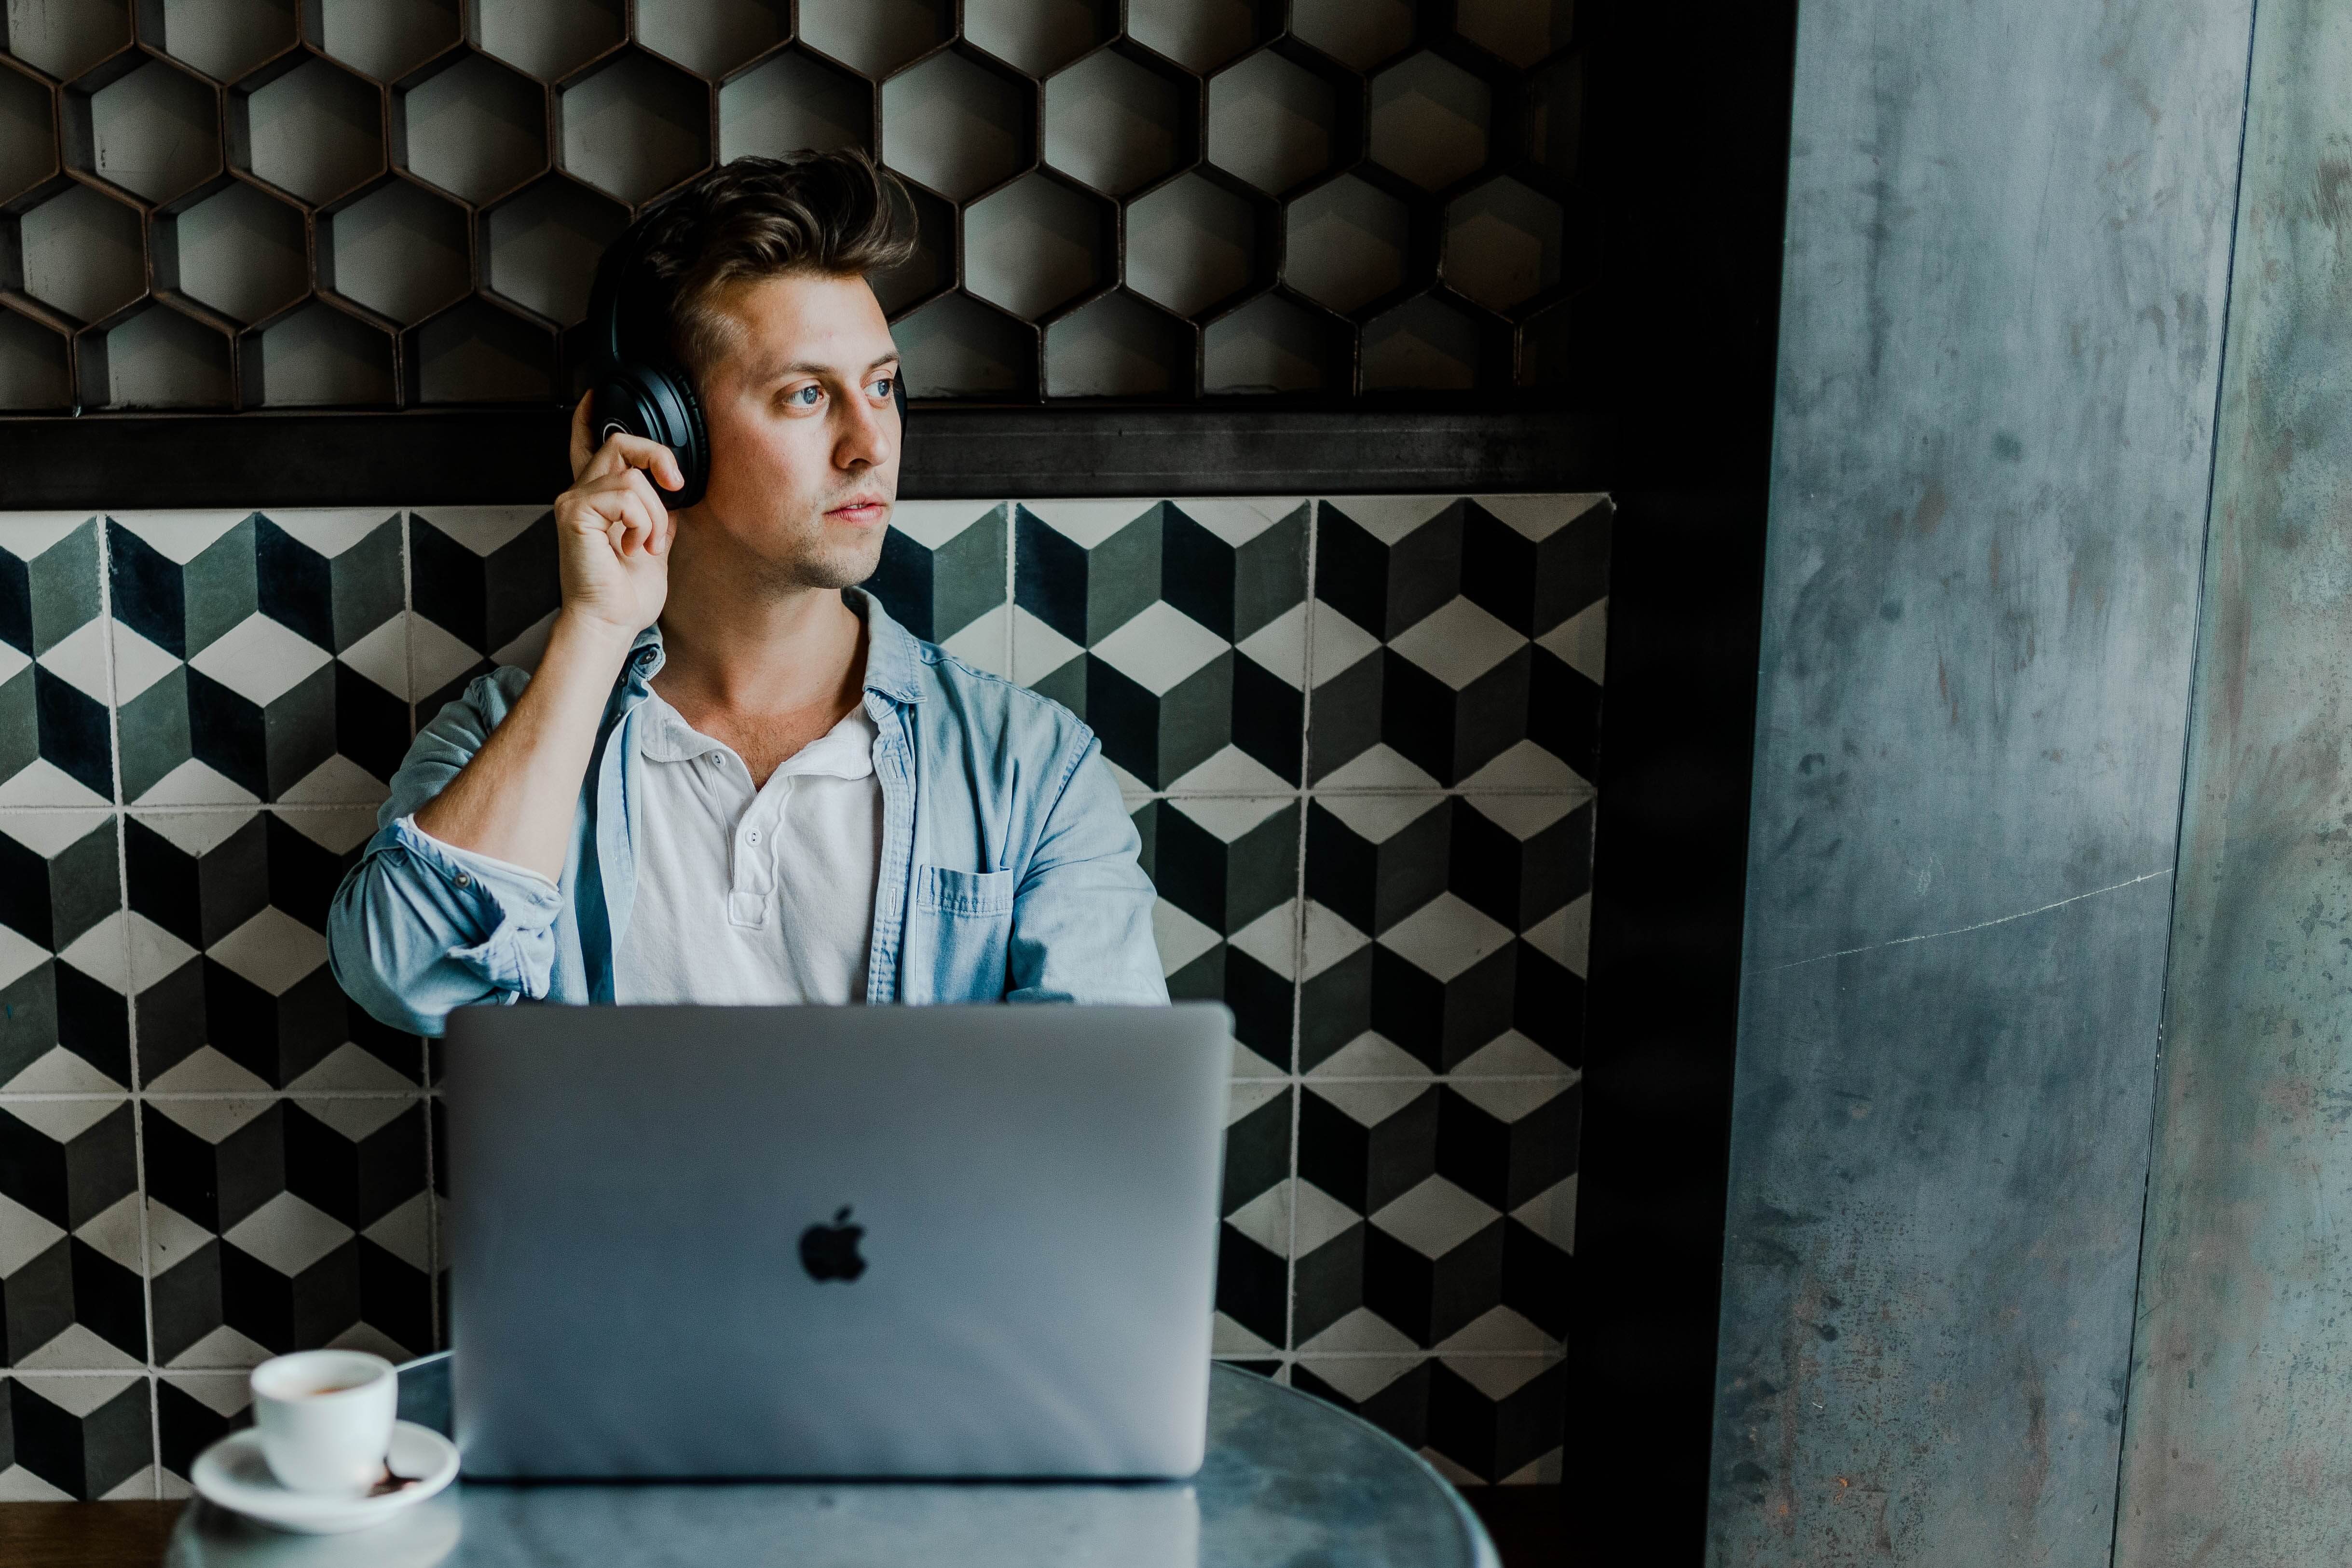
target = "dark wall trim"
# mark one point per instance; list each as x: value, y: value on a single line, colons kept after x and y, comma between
x: 494, y: 456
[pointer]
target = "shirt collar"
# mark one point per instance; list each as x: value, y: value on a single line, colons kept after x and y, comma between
x: 892, y: 655
x: 844, y: 751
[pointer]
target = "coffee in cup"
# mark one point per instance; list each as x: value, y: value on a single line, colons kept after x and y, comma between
x: 325, y: 1418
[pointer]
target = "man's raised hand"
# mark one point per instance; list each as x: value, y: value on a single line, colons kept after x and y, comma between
x: 613, y: 532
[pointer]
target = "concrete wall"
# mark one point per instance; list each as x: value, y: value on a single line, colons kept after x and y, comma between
x: 2239, y: 1446
x: 2008, y: 240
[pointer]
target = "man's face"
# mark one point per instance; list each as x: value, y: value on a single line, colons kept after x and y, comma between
x: 804, y: 432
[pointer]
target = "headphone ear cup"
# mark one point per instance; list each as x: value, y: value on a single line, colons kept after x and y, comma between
x: 693, y: 450
x: 640, y: 401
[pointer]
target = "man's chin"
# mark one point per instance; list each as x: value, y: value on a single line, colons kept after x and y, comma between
x: 844, y: 562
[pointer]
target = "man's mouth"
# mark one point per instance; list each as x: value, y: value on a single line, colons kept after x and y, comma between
x: 860, y: 510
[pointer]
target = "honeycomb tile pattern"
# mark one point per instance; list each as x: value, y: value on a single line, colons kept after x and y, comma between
x: 376, y: 204
x: 1356, y: 735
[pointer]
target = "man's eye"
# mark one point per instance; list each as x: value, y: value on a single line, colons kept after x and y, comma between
x: 805, y: 397
x: 882, y: 388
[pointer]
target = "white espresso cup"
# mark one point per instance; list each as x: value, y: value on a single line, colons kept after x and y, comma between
x: 325, y: 1418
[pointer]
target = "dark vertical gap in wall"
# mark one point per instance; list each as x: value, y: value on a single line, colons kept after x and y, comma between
x: 2188, y: 747
x: 1686, y: 151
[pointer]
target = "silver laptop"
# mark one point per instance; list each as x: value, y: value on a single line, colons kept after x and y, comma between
x: 833, y: 1241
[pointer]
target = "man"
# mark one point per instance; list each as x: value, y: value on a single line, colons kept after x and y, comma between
x: 733, y: 777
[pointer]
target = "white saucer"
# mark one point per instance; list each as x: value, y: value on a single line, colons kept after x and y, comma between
x: 232, y: 1474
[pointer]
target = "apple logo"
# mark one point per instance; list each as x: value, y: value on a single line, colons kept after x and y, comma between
x: 830, y: 1251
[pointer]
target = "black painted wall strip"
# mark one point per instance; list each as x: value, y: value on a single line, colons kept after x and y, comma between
x: 500, y: 456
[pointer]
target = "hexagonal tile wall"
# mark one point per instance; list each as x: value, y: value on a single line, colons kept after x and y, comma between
x: 1035, y: 244
x: 1414, y: 223
x: 1358, y: 34
x: 1037, y: 37
x: 956, y: 125
x: 875, y: 36
x: 158, y: 357
x: 540, y: 247
x: 310, y: 129
x: 635, y: 127
x: 36, y: 369
x: 1430, y: 121
x: 400, y: 250
x: 475, y: 129
x: 1199, y: 35
x: 1348, y: 243
x: 1114, y: 121
x: 1190, y: 243
x: 82, y: 253
x: 66, y: 40
x: 790, y: 101
x: 1273, y: 121
x: 387, y: 40
x: 711, y: 37
x: 318, y: 356
x: 27, y: 133
x: 548, y: 38
x: 240, y: 251
x: 152, y: 130
x: 224, y: 38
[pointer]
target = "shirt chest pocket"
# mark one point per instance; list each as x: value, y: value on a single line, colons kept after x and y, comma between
x: 975, y: 894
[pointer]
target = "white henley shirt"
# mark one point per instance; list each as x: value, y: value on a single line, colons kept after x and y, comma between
x: 751, y: 895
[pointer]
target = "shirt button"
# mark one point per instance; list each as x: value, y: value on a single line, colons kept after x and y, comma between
x: 754, y: 835
x: 465, y: 879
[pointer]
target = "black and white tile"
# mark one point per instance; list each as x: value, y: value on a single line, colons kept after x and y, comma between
x: 234, y: 995
x: 76, y: 1437
x: 69, y: 1253
x: 1172, y: 628
x: 287, y: 1222
x: 483, y: 593
x: 258, y: 656
x: 1457, y: 642
x: 944, y: 576
x: 1368, y: 810
x: 55, y: 743
x: 64, y: 1022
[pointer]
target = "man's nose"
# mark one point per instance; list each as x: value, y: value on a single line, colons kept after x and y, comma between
x: 866, y: 435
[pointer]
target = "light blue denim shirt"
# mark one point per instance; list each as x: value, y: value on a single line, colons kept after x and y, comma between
x: 1008, y: 867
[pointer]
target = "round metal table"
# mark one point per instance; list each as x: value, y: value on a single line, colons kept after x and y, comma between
x: 1288, y: 1480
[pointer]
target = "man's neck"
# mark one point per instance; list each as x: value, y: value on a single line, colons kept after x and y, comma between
x: 763, y: 672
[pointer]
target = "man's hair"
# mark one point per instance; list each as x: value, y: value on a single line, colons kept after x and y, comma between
x: 832, y: 214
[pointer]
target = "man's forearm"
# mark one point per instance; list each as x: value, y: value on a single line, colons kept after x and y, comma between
x: 516, y: 799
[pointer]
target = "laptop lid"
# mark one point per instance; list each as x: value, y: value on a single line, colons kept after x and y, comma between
x: 833, y: 1242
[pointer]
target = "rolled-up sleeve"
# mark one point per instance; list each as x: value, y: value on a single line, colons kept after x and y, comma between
x: 420, y: 927
x: 1082, y: 915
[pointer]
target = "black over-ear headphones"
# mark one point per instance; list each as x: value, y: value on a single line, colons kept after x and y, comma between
x: 634, y: 388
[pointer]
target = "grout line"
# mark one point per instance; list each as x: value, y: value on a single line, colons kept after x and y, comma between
x: 1299, y: 929
x: 36, y: 1096
x: 1012, y: 566
x: 212, y: 808
x: 423, y: 1046
x: 78, y: 1372
x: 130, y: 1007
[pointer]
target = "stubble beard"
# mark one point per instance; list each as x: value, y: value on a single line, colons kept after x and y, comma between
x: 819, y: 562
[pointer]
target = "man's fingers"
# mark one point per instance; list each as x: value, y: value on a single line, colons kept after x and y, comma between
x: 642, y: 488
x: 621, y: 450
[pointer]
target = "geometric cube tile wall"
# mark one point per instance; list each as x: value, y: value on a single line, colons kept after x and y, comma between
x: 1356, y: 735
x: 238, y: 206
